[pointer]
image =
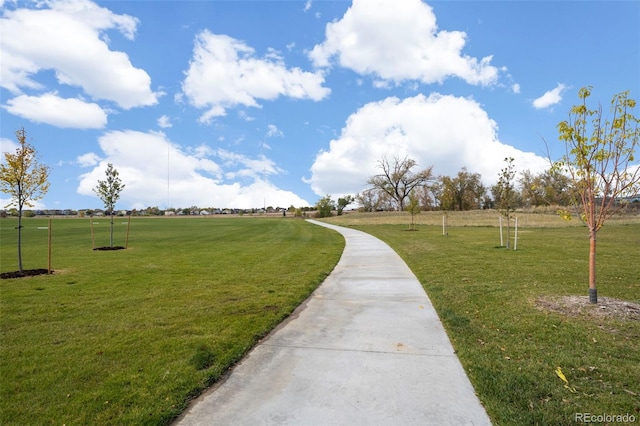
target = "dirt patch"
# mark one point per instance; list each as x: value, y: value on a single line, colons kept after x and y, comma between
x: 24, y: 273
x: 107, y: 248
x: 606, y: 308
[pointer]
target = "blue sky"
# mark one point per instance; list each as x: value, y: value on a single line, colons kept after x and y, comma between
x: 278, y: 103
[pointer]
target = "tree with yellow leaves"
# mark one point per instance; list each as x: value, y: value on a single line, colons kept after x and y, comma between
x: 600, y: 160
x: 24, y: 179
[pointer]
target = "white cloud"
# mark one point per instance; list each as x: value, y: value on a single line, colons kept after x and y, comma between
x: 249, y: 167
x: 550, y: 98
x: 164, y: 122
x: 158, y: 172
x: 515, y: 88
x: 7, y: 145
x: 225, y: 72
x: 89, y: 159
x: 307, y: 6
x: 56, y: 111
x: 69, y: 38
x: 273, y: 131
x: 8, y: 203
x: 243, y: 115
x: 399, y: 41
x: 447, y: 132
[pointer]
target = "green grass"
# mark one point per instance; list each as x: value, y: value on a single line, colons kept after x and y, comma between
x: 486, y: 298
x: 130, y: 336
x: 539, y: 217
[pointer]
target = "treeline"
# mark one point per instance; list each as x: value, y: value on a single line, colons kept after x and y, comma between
x: 464, y: 191
x: 399, y: 187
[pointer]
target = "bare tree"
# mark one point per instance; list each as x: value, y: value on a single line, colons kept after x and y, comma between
x: 397, y: 179
x: 504, y: 193
x: 600, y: 159
x: 24, y: 180
x: 413, y: 208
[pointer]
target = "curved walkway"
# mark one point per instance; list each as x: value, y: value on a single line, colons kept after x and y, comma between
x: 367, y: 348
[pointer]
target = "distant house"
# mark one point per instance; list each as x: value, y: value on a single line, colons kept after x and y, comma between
x: 204, y: 213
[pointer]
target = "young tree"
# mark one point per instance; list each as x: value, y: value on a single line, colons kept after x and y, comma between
x: 24, y: 179
x: 344, y: 202
x: 504, y: 193
x: 413, y: 208
x: 600, y: 159
x: 398, y: 180
x: 109, y: 192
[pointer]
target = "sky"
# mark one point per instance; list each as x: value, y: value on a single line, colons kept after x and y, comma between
x: 246, y: 104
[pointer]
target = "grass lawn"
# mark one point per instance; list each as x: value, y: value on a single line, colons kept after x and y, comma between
x: 129, y: 336
x: 487, y: 299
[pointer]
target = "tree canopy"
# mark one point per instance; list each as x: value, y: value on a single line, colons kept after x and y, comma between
x: 325, y: 206
x: 463, y: 192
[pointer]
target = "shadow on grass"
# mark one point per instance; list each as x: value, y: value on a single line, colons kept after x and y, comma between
x: 24, y: 273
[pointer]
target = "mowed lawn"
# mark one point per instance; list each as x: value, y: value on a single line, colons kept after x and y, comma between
x: 129, y: 336
x: 510, y: 347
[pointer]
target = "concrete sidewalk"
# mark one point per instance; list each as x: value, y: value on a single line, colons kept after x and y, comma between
x: 366, y: 349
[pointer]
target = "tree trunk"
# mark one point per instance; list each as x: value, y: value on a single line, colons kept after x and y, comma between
x: 111, y: 232
x: 593, y: 292
x: 20, y: 240
x: 508, y: 229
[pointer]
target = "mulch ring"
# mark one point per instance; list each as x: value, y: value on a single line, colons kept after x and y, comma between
x: 606, y: 308
x: 24, y: 273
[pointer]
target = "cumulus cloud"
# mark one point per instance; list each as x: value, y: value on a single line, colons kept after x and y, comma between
x: 7, y: 145
x: 399, y: 41
x: 164, y: 122
x: 87, y: 160
x: 550, y: 97
x: 225, y: 72
x: 247, y: 167
x: 155, y: 169
x: 56, y: 111
x: 445, y: 131
x: 68, y: 37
